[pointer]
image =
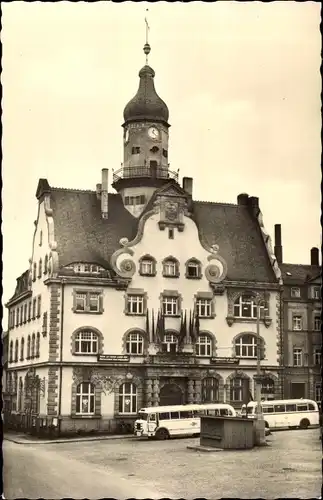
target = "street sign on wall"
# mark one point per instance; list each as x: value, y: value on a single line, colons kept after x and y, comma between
x: 114, y: 357
x: 225, y: 361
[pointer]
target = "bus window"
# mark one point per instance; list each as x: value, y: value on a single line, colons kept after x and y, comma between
x: 216, y: 413
x: 250, y: 410
x: 185, y: 414
x: 268, y: 409
x: 230, y: 413
x: 290, y: 407
x: 279, y: 408
x: 210, y: 412
x: 196, y: 413
x: 174, y: 415
x: 311, y: 406
x: 224, y: 412
x: 142, y: 416
x: 164, y: 416
x: 302, y: 407
x: 152, y: 417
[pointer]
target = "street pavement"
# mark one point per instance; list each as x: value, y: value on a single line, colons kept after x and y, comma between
x: 290, y: 467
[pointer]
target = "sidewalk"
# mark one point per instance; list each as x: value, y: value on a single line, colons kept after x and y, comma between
x: 26, y: 439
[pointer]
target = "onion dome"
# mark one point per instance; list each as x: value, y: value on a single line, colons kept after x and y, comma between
x: 146, y: 105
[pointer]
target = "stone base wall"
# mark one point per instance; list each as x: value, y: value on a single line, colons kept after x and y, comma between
x: 106, y: 425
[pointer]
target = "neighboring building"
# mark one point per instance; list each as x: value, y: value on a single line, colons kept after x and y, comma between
x: 144, y: 296
x: 302, y: 308
x: 5, y: 387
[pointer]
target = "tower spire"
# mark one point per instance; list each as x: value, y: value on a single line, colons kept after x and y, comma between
x: 147, y: 46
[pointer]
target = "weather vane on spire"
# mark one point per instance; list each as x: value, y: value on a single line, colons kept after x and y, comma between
x: 147, y: 46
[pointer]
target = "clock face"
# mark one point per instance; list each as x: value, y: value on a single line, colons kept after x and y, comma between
x: 153, y: 132
x: 126, y: 136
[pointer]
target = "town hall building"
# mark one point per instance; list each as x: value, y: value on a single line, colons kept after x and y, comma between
x: 141, y: 296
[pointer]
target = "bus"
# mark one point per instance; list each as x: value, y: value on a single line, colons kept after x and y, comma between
x: 285, y: 413
x: 162, y: 422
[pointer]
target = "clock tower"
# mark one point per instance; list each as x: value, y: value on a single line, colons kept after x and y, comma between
x: 145, y: 142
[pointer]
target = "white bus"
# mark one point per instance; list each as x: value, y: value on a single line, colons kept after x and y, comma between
x: 285, y: 413
x: 161, y: 422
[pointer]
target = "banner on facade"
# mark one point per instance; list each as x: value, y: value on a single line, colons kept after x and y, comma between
x: 225, y: 361
x: 113, y: 357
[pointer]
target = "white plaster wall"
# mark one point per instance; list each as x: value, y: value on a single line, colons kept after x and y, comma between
x: 66, y: 390
x: 107, y: 404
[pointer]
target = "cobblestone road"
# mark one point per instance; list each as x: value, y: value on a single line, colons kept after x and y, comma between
x: 289, y: 467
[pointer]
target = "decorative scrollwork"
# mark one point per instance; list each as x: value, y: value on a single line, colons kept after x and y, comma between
x: 127, y: 268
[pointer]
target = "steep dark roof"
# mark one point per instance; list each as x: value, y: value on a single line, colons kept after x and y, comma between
x: 299, y: 274
x: 22, y: 284
x: 238, y: 235
x: 82, y: 234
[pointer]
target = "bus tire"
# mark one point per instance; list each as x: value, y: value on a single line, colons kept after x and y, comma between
x: 162, y: 434
x: 304, y: 423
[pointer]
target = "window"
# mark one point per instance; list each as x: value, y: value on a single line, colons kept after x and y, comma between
x: 34, y: 271
x: 316, y: 292
x: 185, y: 414
x: 171, y: 233
x: 16, y: 350
x: 147, y: 266
x: 21, y: 315
x: 46, y: 264
x: 135, y: 343
x: 40, y: 268
x: 11, y: 351
x: 135, y: 304
x: 165, y: 153
x: 290, y: 408
x: 38, y: 345
x: 22, y: 349
x: 297, y: 322
x: 170, y: 306
x: 267, y: 386
x: 25, y: 312
x: 193, y: 269
x: 246, y: 346
x: 135, y: 150
x: 170, y: 268
x: 302, y: 407
x: 28, y: 347
x: 268, y: 409
x: 210, y: 390
x: 236, y: 386
x: 164, y: 416
x: 21, y: 395
x: 174, y: 415
x: 317, y: 323
x: 34, y: 308
x: 135, y: 200
x: 245, y: 307
x: 33, y: 346
x: 29, y: 310
x: 128, y: 398
x: 279, y: 408
x: 297, y: 357
x: 203, y: 346
x: 204, y: 308
x: 17, y: 316
x: 317, y: 356
x: 318, y: 392
x: 170, y: 343
x: 85, y: 399
x: 295, y: 292
x: 87, y: 302
x: 86, y: 342
x: 38, y: 306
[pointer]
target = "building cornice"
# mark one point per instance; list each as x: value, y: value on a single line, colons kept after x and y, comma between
x: 19, y: 298
x: 252, y: 284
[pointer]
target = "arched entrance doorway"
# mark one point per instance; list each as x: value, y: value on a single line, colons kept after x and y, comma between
x: 170, y: 394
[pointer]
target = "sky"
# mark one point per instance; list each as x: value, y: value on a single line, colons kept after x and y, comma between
x: 241, y: 81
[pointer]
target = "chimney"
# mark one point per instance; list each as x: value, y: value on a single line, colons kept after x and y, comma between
x: 278, y: 243
x: 188, y: 185
x: 104, y: 193
x: 315, y: 256
x: 243, y: 199
x: 98, y: 191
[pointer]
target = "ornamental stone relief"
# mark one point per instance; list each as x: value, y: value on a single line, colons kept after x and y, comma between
x: 217, y: 269
x: 124, y: 266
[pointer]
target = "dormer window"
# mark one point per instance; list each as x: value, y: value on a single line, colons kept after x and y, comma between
x: 193, y: 269
x: 135, y: 200
x: 171, y: 268
x: 316, y: 292
x: 135, y: 150
x: 85, y: 268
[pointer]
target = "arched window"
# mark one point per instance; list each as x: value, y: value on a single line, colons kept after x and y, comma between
x: 170, y: 268
x: 86, y: 342
x: 203, y: 346
x: 210, y: 390
x: 85, y: 399
x: 11, y: 352
x: 28, y: 347
x: 170, y: 343
x: 16, y: 350
x: 193, y: 269
x: 21, y: 395
x: 32, y: 346
x: 245, y: 307
x: 135, y: 343
x: 22, y: 349
x: 147, y: 266
x: 34, y: 271
x: 46, y: 264
x: 38, y: 345
x: 40, y: 268
x: 128, y: 398
x: 246, y: 346
x: 239, y: 389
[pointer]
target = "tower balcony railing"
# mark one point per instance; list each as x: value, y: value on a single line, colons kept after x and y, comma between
x: 144, y: 172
